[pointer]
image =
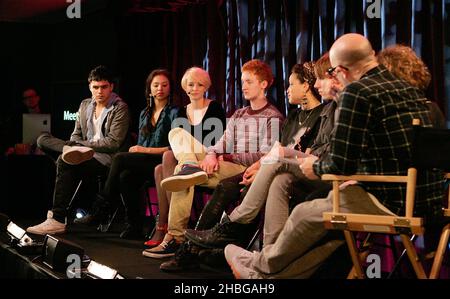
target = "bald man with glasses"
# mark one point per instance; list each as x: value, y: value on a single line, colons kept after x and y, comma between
x: 376, y: 110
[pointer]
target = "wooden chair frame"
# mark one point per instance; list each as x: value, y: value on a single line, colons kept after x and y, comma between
x: 443, y: 242
x: 404, y: 226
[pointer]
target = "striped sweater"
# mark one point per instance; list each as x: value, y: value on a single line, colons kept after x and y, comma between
x: 249, y: 134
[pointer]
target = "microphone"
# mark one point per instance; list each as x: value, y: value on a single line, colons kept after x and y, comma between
x: 188, y: 93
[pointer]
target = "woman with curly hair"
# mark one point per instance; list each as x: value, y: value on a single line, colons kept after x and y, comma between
x: 403, y: 62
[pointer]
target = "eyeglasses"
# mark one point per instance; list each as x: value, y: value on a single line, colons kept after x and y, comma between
x: 331, y: 70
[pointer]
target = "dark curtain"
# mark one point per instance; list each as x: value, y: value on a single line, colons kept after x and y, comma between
x: 222, y: 35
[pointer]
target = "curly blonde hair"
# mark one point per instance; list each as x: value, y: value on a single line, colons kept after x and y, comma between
x: 403, y: 62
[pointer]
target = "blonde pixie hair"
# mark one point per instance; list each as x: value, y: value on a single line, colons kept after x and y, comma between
x: 403, y: 62
x: 197, y: 74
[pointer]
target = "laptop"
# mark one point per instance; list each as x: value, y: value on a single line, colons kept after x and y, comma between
x: 34, y: 125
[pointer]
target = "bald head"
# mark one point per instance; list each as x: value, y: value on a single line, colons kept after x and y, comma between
x: 350, y: 50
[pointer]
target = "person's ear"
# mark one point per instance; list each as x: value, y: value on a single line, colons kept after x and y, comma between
x: 264, y: 84
x: 305, y: 86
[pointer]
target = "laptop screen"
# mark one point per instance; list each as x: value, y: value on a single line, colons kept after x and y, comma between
x: 34, y: 125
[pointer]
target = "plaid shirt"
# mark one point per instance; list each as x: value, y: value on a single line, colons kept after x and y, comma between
x: 373, y: 136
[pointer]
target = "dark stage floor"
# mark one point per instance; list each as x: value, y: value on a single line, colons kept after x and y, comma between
x: 125, y: 256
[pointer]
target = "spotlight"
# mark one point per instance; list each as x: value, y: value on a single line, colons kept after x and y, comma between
x: 98, y: 271
x: 80, y: 213
x: 18, y: 237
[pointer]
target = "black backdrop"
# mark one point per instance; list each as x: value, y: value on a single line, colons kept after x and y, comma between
x: 55, y: 53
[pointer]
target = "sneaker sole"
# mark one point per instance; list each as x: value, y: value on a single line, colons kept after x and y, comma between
x: 180, y: 183
x: 233, y: 269
x: 157, y: 255
x: 77, y: 157
x: 51, y: 232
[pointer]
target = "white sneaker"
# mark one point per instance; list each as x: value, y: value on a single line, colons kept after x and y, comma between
x: 240, y: 261
x: 75, y: 155
x: 49, y: 226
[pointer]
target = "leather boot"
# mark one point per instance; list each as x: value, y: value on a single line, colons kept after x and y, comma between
x: 222, y: 234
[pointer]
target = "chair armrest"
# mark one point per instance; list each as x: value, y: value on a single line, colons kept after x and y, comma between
x: 365, y: 178
x: 373, y: 223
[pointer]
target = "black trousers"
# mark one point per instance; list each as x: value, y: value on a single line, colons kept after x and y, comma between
x: 127, y: 175
x: 67, y: 176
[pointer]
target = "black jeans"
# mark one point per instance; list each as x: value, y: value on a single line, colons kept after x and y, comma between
x: 128, y: 173
x: 227, y: 192
x: 67, y: 176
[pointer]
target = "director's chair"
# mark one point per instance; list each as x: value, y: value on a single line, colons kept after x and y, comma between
x: 431, y: 149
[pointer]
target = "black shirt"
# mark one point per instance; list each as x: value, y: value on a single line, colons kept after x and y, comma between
x: 301, y: 127
x: 206, y: 129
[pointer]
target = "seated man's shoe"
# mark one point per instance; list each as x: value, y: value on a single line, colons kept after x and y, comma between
x: 75, y: 155
x: 221, y: 234
x: 167, y: 248
x: 132, y: 233
x: 185, y: 259
x: 49, y: 226
x: 157, y: 237
x: 240, y: 261
x: 214, y: 258
x: 188, y: 176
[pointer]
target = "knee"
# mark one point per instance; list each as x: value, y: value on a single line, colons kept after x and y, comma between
x: 168, y: 157
x: 283, y: 183
x: 270, y: 168
x: 60, y: 164
x: 174, y: 132
x: 42, y: 139
x: 119, y: 158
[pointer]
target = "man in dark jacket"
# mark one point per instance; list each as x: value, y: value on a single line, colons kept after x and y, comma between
x: 101, y: 130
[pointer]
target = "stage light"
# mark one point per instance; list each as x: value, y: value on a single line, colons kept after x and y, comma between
x: 15, y: 231
x: 99, y: 271
x: 56, y: 251
x: 80, y: 213
x: 18, y: 237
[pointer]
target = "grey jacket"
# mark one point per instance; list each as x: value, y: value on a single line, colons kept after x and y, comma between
x: 115, y: 121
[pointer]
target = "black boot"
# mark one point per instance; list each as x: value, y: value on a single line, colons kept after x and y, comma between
x: 213, y: 258
x: 226, y: 193
x: 186, y: 258
x: 222, y: 234
x: 101, y: 212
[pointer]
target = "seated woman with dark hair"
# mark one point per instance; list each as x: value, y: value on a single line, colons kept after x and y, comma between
x: 197, y: 118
